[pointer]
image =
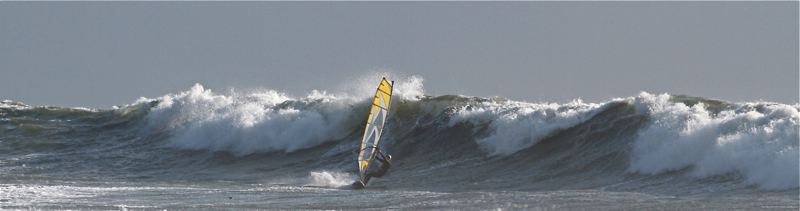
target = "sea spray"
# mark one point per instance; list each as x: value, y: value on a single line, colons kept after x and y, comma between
x: 330, y: 178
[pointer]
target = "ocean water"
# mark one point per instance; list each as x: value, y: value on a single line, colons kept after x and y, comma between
x: 263, y: 149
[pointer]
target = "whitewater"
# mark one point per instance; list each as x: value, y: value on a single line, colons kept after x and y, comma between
x: 265, y: 149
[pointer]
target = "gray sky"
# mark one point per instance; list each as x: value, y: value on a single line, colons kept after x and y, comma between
x: 98, y: 54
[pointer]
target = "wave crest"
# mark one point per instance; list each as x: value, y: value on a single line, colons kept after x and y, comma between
x: 758, y: 140
x: 251, y: 122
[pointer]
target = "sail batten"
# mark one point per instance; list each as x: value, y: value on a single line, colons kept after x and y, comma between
x: 375, y: 121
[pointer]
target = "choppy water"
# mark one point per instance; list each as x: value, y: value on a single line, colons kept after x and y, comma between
x: 265, y: 149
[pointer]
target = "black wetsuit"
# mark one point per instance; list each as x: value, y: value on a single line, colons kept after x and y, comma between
x: 382, y: 169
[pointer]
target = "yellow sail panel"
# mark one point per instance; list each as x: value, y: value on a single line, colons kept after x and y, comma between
x: 385, y: 90
x: 374, y: 127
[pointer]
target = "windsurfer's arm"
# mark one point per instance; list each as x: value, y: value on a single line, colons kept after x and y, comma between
x: 378, y: 153
x: 381, y: 156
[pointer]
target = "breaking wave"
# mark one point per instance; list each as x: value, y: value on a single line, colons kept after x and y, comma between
x: 451, y: 142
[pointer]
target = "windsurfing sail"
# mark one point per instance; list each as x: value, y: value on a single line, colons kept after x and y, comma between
x: 372, y: 133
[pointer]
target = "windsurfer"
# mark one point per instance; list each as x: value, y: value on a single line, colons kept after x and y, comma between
x: 386, y: 162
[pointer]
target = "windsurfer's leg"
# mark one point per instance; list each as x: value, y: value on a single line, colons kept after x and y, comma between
x: 366, y: 178
x: 379, y: 174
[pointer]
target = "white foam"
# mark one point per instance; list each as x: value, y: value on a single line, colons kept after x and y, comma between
x: 263, y: 120
x: 757, y: 140
x: 13, y: 105
x: 244, y: 123
x: 519, y: 125
x: 330, y: 179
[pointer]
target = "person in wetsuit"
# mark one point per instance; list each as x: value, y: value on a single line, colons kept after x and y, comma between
x: 385, y: 161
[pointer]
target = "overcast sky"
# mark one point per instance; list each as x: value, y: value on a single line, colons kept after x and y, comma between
x: 99, y: 54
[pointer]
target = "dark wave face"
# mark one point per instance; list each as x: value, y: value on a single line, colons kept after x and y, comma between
x: 651, y: 143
